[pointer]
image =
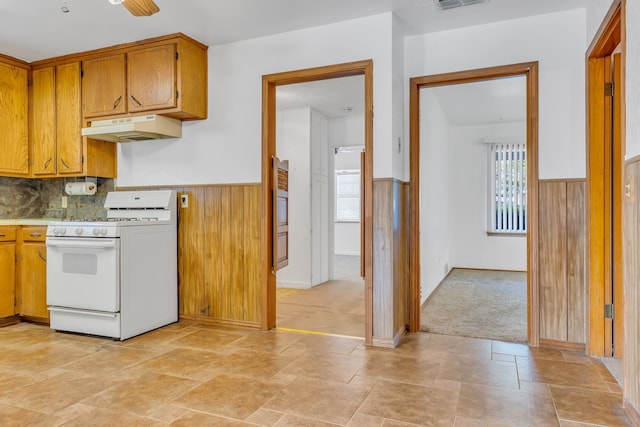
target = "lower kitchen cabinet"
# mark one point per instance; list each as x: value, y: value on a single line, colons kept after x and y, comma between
x: 31, y: 284
x: 7, y: 272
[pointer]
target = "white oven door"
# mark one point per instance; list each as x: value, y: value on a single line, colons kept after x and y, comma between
x: 83, y: 273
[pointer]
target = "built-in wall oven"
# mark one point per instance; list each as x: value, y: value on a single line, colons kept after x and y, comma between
x: 117, y: 276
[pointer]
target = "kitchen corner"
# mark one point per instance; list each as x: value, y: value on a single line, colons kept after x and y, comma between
x: 27, y: 206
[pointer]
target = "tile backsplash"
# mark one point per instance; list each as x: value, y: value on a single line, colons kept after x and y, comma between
x: 42, y: 198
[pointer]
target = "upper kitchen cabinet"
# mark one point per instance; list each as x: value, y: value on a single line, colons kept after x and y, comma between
x: 14, y: 121
x: 57, y: 145
x: 165, y: 75
x: 103, y: 86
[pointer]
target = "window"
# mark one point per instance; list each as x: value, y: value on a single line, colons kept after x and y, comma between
x: 508, y: 188
x: 347, y: 196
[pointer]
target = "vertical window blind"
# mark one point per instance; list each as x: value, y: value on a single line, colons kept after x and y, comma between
x: 508, y: 192
x: 347, y: 196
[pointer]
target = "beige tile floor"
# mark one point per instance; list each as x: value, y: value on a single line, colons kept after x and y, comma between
x: 198, y: 375
x: 335, y: 307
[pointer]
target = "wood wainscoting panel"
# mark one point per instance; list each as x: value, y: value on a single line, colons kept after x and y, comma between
x: 252, y: 282
x: 191, y: 259
x: 401, y: 276
x: 562, y: 251
x: 576, y: 252
x: 219, y: 276
x: 553, y: 261
x: 631, y: 242
x: 383, y: 262
x: 391, y: 274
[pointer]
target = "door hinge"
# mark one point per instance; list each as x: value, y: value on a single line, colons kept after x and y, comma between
x: 81, y: 73
x: 176, y: 56
x: 609, y: 311
x: 609, y: 89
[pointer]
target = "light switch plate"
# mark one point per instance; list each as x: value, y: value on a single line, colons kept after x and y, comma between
x: 63, y: 202
x: 184, y: 201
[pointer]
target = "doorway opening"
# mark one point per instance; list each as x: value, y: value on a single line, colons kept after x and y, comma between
x: 269, y: 137
x: 473, y: 209
x: 530, y: 72
x: 320, y: 132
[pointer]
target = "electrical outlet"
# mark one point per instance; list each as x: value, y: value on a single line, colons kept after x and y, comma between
x: 184, y: 201
x: 63, y: 202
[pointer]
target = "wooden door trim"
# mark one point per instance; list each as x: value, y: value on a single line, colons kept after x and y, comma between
x: 269, y: 84
x: 530, y: 71
x: 610, y: 34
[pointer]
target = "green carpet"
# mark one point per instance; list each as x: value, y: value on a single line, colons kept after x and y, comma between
x: 479, y: 304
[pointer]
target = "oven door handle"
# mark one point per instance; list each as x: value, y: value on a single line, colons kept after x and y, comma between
x: 81, y: 244
x: 88, y: 313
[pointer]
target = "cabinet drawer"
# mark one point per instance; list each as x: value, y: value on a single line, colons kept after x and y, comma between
x: 33, y: 234
x: 7, y: 234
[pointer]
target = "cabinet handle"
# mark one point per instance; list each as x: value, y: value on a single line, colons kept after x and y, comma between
x: 64, y: 163
x: 35, y: 234
x: 136, y: 101
x: 117, y: 102
x: 46, y: 164
x: 40, y: 255
x: 3, y: 235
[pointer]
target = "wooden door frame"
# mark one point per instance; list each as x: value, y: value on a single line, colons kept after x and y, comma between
x: 530, y: 71
x: 610, y: 33
x: 269, y: 84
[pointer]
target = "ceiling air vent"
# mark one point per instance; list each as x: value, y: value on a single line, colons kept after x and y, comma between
x: 450, y: 4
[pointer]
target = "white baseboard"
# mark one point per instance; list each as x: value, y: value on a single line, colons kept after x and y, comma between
x: 293, y: 285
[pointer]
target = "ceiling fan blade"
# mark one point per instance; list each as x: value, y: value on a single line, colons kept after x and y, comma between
x: 141, y: 7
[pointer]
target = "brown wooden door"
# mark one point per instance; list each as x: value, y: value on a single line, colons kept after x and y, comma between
x: 103, y: 86
x: 280, y: 213
x: 151, y: 75
x: 614, y: 331
x: 43, y: 125
x: 68, y: 119
x: 14, y: 123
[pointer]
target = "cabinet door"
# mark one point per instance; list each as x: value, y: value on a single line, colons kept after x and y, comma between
x: 14, y: 122
x: 7, y: 279
x: 103, y: 86
x: 152, y: 78
x: 68, y: 119
x: 33, y: 280
x: 43, y: 128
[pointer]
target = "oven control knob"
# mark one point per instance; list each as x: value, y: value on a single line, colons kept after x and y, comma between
x: 96, y: 231
x: 79, y: 231
x: 103, y: 231
x: 56, y: 230
x: 63, y: 230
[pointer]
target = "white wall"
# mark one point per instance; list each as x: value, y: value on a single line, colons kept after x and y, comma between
x: 226, y: 148
x: 557, y: 41
x: 346, y: 131
x: 469, y: 194
x: 293, y: 136
x: 633, y: 79
x: 435, y: 226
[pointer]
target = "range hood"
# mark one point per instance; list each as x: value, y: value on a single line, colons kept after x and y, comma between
x: 129, y: 129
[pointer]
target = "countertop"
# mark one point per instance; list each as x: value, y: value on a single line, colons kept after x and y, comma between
x: 26, y: 221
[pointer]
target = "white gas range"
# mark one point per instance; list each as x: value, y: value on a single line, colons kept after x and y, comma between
x: 115, y: 277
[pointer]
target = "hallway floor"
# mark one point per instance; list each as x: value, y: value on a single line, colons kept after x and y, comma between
x: 197, y: 375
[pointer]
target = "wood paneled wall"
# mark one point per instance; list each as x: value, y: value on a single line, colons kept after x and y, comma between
x: 219, y: 254
x: 631, y: 242
x: 561, y: 259
x: 390, y: 261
